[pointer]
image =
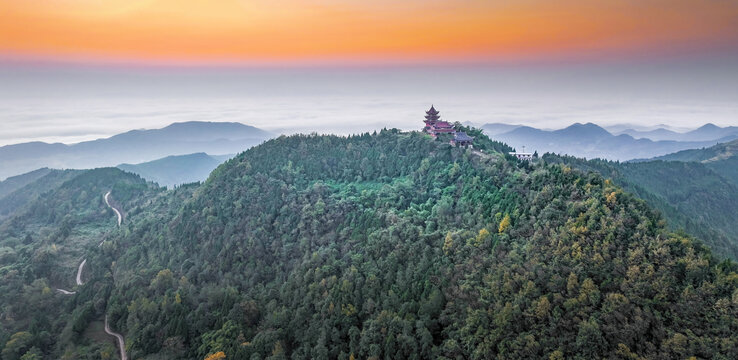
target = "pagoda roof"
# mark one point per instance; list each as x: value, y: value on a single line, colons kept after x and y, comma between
x: 442, y: 124
x: 462, y: 136
x: 432, y: 110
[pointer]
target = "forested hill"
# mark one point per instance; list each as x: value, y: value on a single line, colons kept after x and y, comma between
x: 26, y: 192
x: 42, y: 243
x: 690, y: 195
x: 394, y: 245
x: 14, y: 183
x: 721, y: 158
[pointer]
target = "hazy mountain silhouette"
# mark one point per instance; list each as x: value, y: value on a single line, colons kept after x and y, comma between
x: 177, y: 169
x: 498, y: 128
x: 592, y: 141
x: 132, y: 147
x: 707, y: 132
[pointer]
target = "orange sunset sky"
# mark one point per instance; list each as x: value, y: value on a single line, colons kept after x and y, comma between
x: 379, y: 30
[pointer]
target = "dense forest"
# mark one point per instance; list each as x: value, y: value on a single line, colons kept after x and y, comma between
x: 41, y: 246
x: 690, y: 195
x: 721, y: 158
x: 377, y: 246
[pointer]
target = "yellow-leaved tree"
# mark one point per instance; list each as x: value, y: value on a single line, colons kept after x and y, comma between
x: 481, y: 237
x: 448, y: 243
x: 217, y: 356
x: 504, y: 224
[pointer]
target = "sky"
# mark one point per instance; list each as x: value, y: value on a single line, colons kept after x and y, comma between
x: 74, y: 70
x: 298, y: 31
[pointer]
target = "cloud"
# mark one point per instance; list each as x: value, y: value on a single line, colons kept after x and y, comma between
x: 71, y: 105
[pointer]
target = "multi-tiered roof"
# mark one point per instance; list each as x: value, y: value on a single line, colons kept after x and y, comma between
x: 432, y: 115
x: 434, y: 125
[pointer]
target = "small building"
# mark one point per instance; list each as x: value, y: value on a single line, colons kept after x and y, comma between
x: 522, y: 155
x: 461, y: 139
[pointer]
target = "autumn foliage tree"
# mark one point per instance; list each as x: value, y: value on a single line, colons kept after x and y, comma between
x: 216, y: 356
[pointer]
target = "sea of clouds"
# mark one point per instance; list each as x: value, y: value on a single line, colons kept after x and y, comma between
x: 69, y: 104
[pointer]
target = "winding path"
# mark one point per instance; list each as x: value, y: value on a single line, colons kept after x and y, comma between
x: 119, y: 337
x: 79, y: 272
x: 120, y: 216
x: 106, y: 197
x: 78, y: 280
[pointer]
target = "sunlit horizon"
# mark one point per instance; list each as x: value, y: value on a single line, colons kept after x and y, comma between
x: 76, y: 70
x: 333, y: 32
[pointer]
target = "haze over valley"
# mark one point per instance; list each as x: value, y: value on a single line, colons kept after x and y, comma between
x: 65, y: 103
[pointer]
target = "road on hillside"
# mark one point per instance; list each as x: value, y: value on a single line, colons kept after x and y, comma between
x: 119, y: 337
x: 107, y: 201
x: 82, y: 264
x: 79, y: 271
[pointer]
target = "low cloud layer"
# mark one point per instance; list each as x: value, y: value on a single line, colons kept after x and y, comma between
x: 70, y: 105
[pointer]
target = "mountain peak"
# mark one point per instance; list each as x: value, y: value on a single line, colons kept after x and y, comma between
x: 134, y: 146
x: 709, y: 126
x: 195, y: 124
x: 587, y: 129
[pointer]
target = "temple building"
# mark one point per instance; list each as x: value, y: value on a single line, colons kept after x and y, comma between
x: 434, y: 125
x: 461, y: 139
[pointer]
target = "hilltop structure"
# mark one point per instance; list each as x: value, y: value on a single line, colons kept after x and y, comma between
x: 522, y: 155
x: 461, y: 139
x: 434, y: 125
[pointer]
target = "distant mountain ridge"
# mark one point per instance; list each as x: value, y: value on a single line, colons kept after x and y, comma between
x: 707, y: 132
x: 132, y: 147
x: 499, y: 128
x: 706, y: 155
x: 592, y: 141
x: 177, y: 169
x: 16, y: 182
x: 721, y: 158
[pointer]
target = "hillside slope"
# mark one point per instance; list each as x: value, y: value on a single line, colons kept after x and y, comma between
x: 690, y: 195
x: 396, y: 246
x: 41, y: 247
x: 14, y: 183
x: 175, y: 170
x: 33, y: 188
x: 721, y: 158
